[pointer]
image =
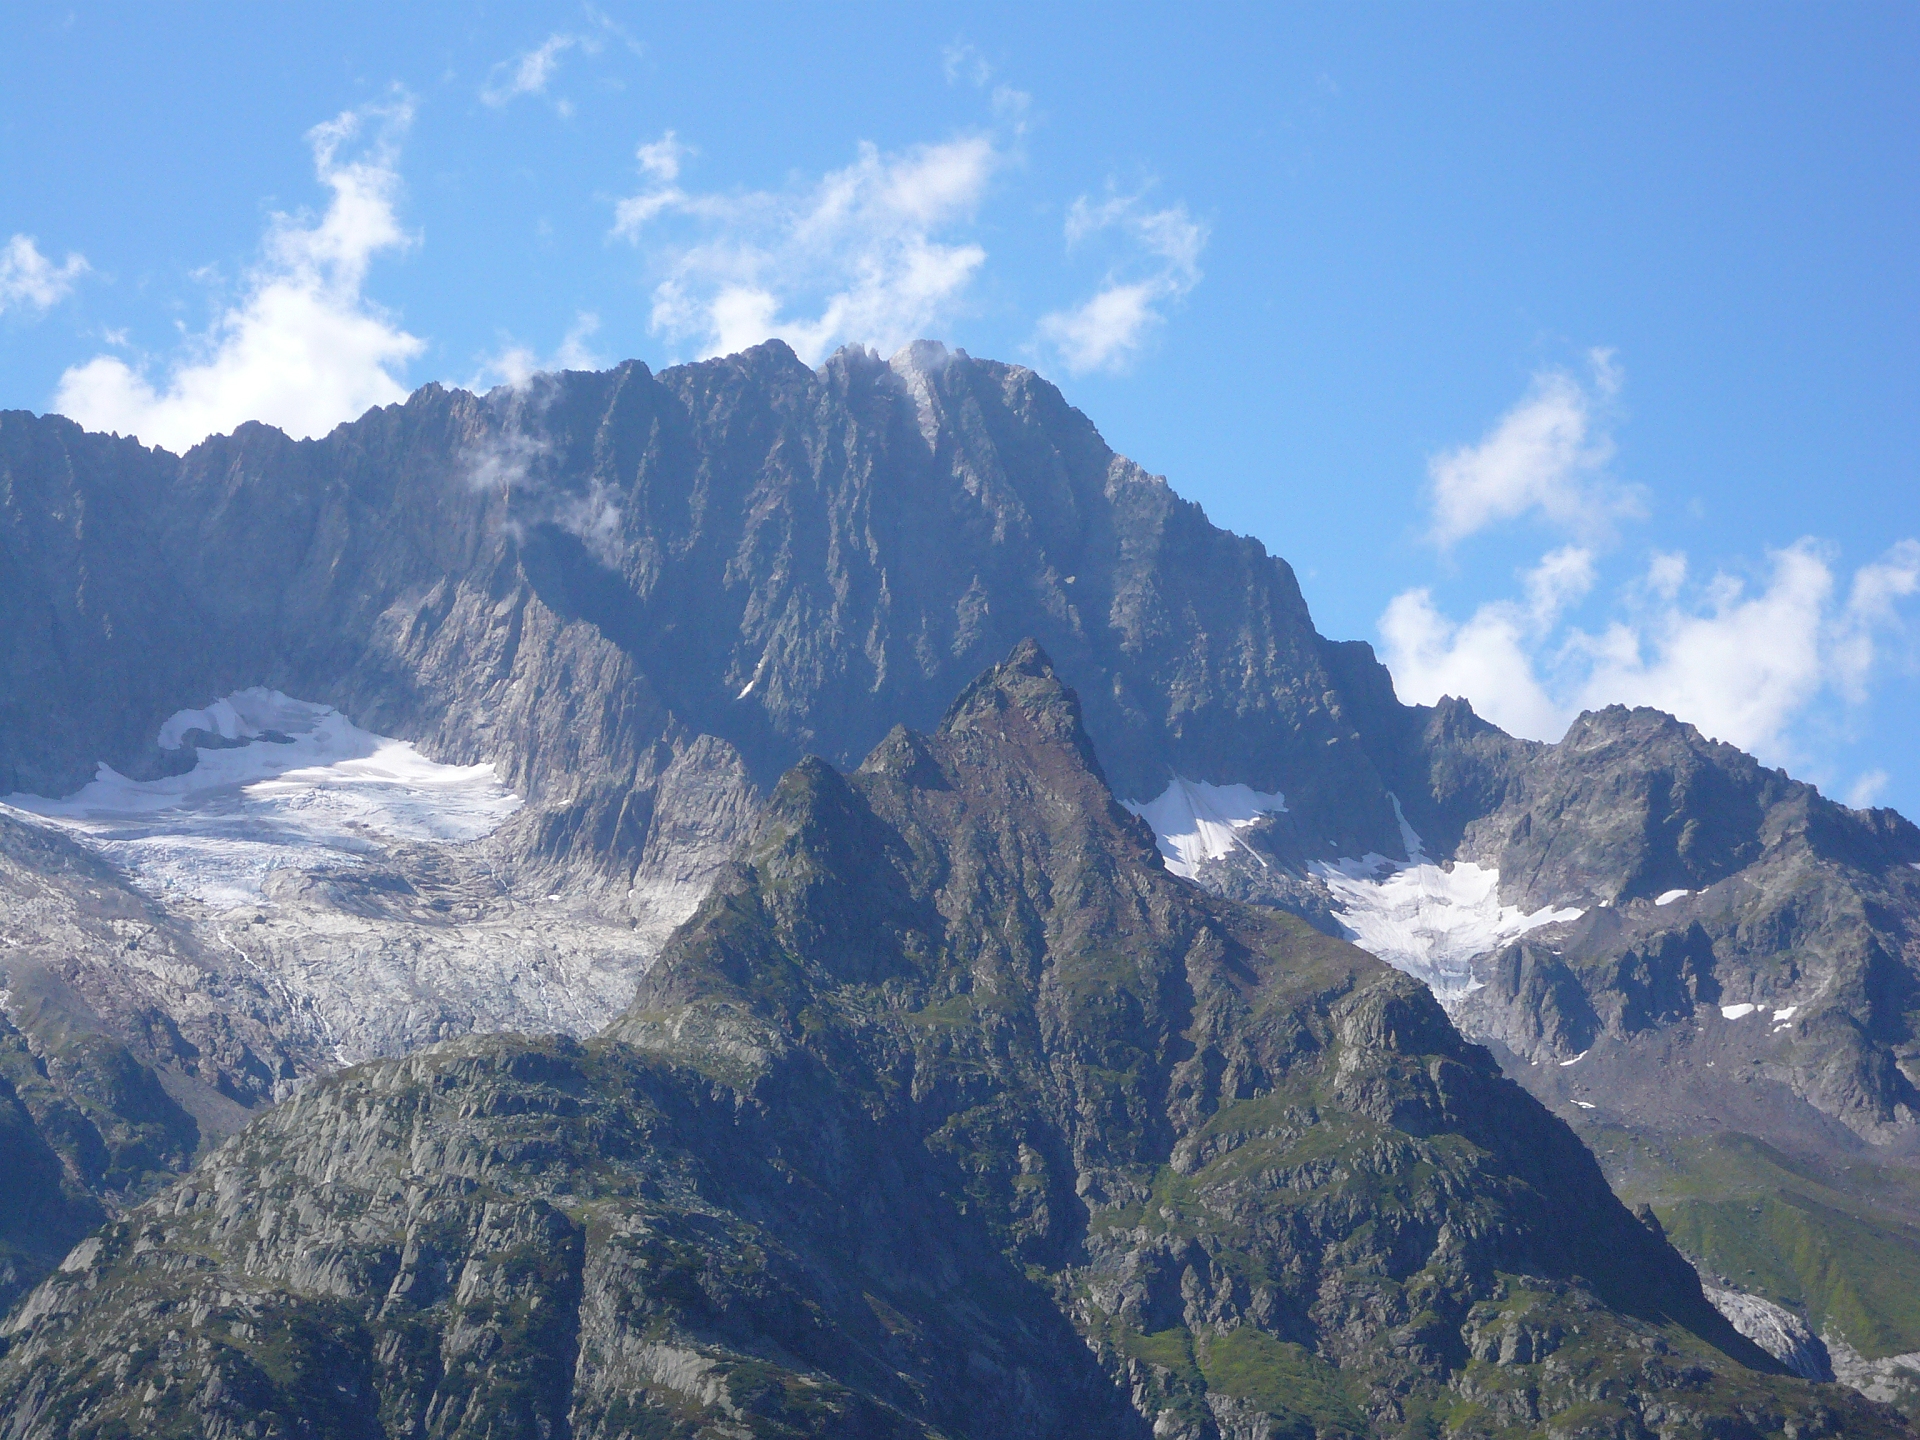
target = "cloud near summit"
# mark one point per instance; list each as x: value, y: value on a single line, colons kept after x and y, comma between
x: 868, y: 253
x: 1160, y: 264
x: 1745, y: 657
x: 302, y: 348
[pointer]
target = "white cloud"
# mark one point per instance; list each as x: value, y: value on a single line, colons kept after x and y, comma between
x: 863, y: 255
x: 1744, y: 664
x: 1548, y: 454
x: 29, y: 280
x: 963, y: 61
x: 1867, y: 790
x: 660, y: 159
x: 1487, y: 659
x: 1490, y: 658
x: 529, y: 73
x: 1562, y: 578
x: 1106, y: 331
x: 517, y: 365
x: 532, y: 72
x: 1739, y: 666
x: 303, y: 349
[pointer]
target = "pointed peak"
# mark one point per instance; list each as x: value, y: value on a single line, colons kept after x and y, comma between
x: 924, y: 357
x: 1027, y: 658
x: 1026, y: 683
x: 1025, y: 678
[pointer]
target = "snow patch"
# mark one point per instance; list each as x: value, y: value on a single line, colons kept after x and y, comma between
x: 1193, y: 821
x: 1429, y: 921
x: 1420, y: 917
x: 1575, y: 1060
x: 300, y: 786
x: 1780, y: 1016
x: 1671, y: 896
x: 1737, y: 1012
x: 1585, y: 1104
x: 1409, y: 837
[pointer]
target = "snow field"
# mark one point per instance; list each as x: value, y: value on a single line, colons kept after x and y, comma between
x: 305, y: 787
x: 1428, y: 920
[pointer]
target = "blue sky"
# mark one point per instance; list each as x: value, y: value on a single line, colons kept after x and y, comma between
x: 1569, y: 353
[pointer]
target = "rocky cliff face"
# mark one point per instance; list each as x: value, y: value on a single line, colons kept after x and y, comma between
x: 565, y: 579
x: 1725, y: 906
x: 640, y: 598
x: 950, y: 1113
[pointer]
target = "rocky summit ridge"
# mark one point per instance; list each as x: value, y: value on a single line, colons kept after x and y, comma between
x: 642, y: 598
x: 949, y: 1113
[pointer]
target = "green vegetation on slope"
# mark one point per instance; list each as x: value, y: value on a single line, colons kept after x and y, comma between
x: 1839, y: 1245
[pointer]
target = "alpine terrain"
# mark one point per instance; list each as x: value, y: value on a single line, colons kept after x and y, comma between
x: 498, y: 938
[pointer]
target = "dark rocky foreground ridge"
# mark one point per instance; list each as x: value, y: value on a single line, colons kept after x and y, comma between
x: 949, y: 1113
x: 644, y: 597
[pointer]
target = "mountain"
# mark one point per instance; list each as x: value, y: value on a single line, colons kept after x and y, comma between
x: 641, y: 598
x: 949, y: 1113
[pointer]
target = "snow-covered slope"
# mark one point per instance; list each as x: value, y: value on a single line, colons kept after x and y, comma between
x: 334, y: 889
x: 278, y: 782
x: 1430, y: 920
x: 1195, y: 822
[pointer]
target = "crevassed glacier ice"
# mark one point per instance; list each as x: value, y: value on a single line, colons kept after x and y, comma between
x: 304, y: 786
x: 1427, y: 920
x: 1194, y: 821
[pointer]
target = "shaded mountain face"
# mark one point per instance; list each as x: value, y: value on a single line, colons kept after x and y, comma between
x: 644, y: 597
x: 567, y: 579
x: 950, y: 1113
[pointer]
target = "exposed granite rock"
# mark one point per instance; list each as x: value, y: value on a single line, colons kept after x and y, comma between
x: 950, y: 1112
x: 559, y: 578
x: 1778, y: 1331
x: 1892, y: 1380
x: 1727, y: 901
x: 642, y: 598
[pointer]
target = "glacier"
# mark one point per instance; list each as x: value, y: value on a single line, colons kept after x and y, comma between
x: 1430, y: 920
x: 276, y: 782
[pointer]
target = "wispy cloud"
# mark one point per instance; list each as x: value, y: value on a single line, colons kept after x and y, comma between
x: 517, y: 365
x: 1107, y: 331
x: 531, y: 72
x: 304, y: 348
x: 1549, y: 454
x: 30, y: 281
x: 963, y: 62
x: 1866, y: 791
x: 865, y: 254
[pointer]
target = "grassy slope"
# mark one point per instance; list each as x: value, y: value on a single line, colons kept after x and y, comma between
x: 1839, y: 1245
